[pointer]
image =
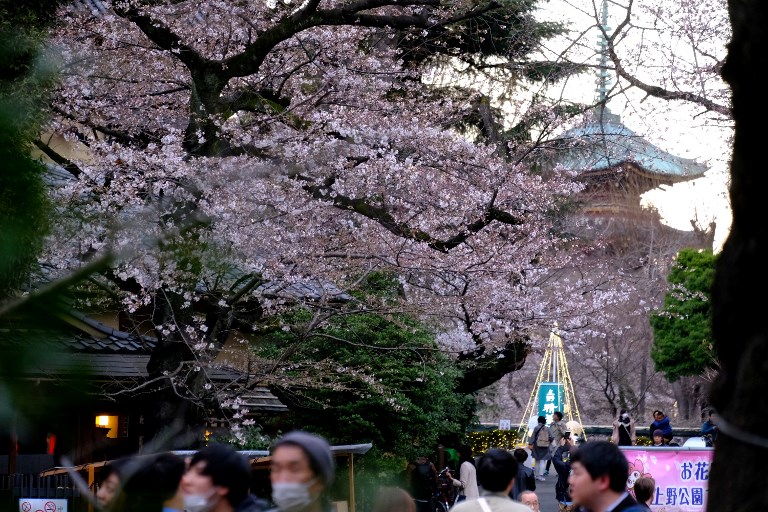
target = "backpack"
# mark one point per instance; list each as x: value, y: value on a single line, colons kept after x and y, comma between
x: 542, y: 438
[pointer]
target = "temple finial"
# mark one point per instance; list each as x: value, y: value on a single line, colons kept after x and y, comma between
x: 602, y: 78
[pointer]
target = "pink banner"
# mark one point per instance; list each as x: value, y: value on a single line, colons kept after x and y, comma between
x: 681, y: 475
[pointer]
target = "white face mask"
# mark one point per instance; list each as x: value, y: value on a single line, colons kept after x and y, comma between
x: 292, y: 496
x: 199, y: 502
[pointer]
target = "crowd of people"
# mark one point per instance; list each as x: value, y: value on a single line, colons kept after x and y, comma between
x: 591, y: 477
x: 217, y: 479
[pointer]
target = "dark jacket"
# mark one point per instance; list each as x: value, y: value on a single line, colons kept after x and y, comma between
x: 664, y: 426
x: 709, y: 432
x: 252, y: 504
x: 562, y: 461
x: 628, y: 503
x: 422, y: 479
x: 524, y: 481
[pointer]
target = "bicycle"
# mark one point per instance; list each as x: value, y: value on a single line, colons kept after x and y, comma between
x: 445, y: 495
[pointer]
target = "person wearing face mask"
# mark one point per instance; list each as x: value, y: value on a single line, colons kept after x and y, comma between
x: 301, y: 471
x: 218, y: 480
x: 624, y: 430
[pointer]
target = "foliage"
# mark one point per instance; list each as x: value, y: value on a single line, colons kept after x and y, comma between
x: 508, y: 33
x: 643, y: 441
x: 29, y: 326
x: 682, y: 330
x: 392, y: 386
x: 24, y: 208
x: 480, y: 442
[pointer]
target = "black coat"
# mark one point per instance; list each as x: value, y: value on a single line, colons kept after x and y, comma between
x: 252, y: 504
x: 627, y: 502
x: 623, y: 505
x: 562, y: 461
x: 524, y: 481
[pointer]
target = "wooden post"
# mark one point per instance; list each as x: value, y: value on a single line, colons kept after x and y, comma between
x: 351, y: 482
x: 91, y: 484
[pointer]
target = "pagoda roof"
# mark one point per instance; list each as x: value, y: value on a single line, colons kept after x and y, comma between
x: 605, y: 143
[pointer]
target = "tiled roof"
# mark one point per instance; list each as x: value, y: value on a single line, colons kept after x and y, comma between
x: 106, y: 339
x: 91, y: 348
x: 605, y: 143
x: 262, y: 399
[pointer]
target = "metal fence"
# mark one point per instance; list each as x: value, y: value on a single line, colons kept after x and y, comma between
x: 17, y: 486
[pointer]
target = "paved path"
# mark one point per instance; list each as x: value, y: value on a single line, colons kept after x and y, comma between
x: 545, y: 490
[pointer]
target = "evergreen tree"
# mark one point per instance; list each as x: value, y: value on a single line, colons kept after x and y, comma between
x: 682, y: 330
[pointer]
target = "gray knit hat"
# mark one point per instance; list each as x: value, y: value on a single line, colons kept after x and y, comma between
x: 318, y: 450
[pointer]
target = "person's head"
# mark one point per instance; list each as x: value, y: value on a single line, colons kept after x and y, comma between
x: 624, y: 415
x: 110, y: 482
x: 644, y: 488
x: 521, y: 455
x: 542, y: 420
x: 151, y: 482
x: 658, y: 415
x: 599, y: 472
x: 465, y: 454
x: 530, y: 499
x: 558, y: 416
x: 393, y: 499
x: 218, y: 478
x: 658, y: 437
x: 496, y: 470
x: 302, y: 468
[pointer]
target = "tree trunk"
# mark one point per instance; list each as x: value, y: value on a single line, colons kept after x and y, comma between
x: 737, y: 482
x: 640, y: 413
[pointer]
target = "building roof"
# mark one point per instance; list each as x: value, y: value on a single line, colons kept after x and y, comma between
x: 605, y: 143
x: 93, y: 349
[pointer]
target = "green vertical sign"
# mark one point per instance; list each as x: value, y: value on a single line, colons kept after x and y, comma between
x: 550, y: 399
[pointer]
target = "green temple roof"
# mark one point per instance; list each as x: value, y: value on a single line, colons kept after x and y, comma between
x: 605, y: 143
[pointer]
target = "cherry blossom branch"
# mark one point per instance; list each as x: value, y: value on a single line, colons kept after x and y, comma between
x: 363, y: 207
x: 649, y: 89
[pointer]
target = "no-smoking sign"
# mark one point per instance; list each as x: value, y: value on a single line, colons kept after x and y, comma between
x: 42, y: 505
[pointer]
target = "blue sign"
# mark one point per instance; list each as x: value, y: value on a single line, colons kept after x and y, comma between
x: 550, y: 399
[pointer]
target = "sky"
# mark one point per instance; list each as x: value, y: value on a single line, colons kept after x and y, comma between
x: 674, y: 127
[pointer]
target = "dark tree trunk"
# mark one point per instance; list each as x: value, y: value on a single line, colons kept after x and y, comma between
x: 737, y: 481
x: 483, y: 368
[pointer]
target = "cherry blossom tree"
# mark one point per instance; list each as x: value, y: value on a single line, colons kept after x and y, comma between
x: 231, y: 155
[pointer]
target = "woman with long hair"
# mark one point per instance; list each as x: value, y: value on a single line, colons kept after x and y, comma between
x: 467, y: 481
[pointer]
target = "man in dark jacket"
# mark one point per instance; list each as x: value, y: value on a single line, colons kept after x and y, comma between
x: 562, y: 461
x: 525, y: 480
x: 598, y: 480
x: 661, y: 422
x: 422, y: 483
x: 709, y: 429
